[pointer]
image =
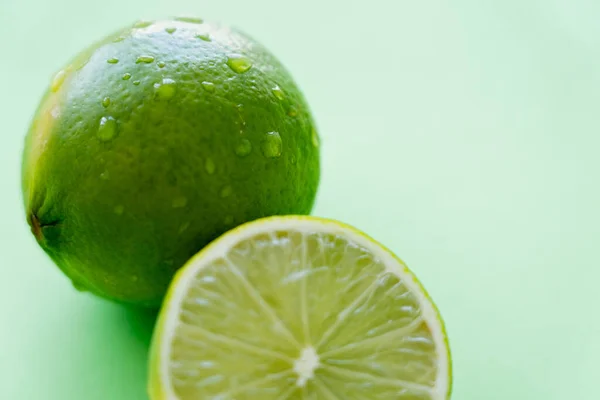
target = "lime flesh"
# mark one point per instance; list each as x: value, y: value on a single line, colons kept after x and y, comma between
x: 298, y: 308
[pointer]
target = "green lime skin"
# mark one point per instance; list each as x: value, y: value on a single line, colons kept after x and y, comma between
x: 154, y: 142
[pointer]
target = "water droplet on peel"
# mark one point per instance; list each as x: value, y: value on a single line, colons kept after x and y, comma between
x: 170, y: 30
x: 278, y: 92
x: 293, y: 111
x: 107, y: 128
x: 226, y: 191
x: 58, y: 80
x: 112, y: 60
x: 228, y: 220
x: 142, y: 24
x: 106, y: 102
x: 119, y: 209
x: 184, y: 227
x: 210, y: 166
x: 144, y: 59
x: 204, y: 36
x: 238, y: 63
x: 272, y: 145
x: 191, y: 20
x: 161, y: 64
x: 105, y: 176
x: 55, y: 112
x: 126, y: 76
x: 243, y: 148
x: 315, y: 138
x: 179, y: 202
x: 208, y: 86
x: 136, y: 83
x: 165, y: 89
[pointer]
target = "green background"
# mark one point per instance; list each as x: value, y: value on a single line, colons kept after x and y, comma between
x: 464, y: 135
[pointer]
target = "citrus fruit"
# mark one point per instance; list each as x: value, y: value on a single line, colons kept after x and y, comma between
x: 298, y: 308
x: 155, y: 141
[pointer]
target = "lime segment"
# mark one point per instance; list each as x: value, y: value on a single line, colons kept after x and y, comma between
x: 298, y: 308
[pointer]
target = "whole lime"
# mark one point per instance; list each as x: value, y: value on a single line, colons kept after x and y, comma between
x: 154, y: 142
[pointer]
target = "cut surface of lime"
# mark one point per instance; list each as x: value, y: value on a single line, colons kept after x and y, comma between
x: 298, y: 308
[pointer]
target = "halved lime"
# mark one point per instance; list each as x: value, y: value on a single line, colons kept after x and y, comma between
x: 298, y: 308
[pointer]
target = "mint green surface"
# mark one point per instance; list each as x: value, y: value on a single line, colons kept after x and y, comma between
x: 462, y: 134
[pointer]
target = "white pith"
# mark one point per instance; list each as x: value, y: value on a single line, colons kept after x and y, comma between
x: 305, y: 365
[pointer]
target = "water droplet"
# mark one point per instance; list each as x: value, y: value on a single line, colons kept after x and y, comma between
x: 144, y: 59
x: 243, y: 148
x: 191, y: 20
x: 208, y: 86
x: 226, y: 191
x: 239, y: 63
x: 165, y: 89
x: 106, y: 102
x: 293, y: 159
x: 293, y: 111
x: 272, y: 145
x: 119, y: 209
x: 126, y: 76
x: 204, y: 36
x: 112, y: 60
x: 179, y: 202
x: 210, y: 166
x: 142, y: 24
x: 107, y: 129
x: 136, y: 83
x: 58, y: 80
x: 105, y: 176
x: 161, y: 64
x: 315, y: 138
x: 228, y: 220
x: 55, y: 112
x: 134, y: 278
x: 184, y: 227
x: 278, y: 92
x: 170, y: 30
